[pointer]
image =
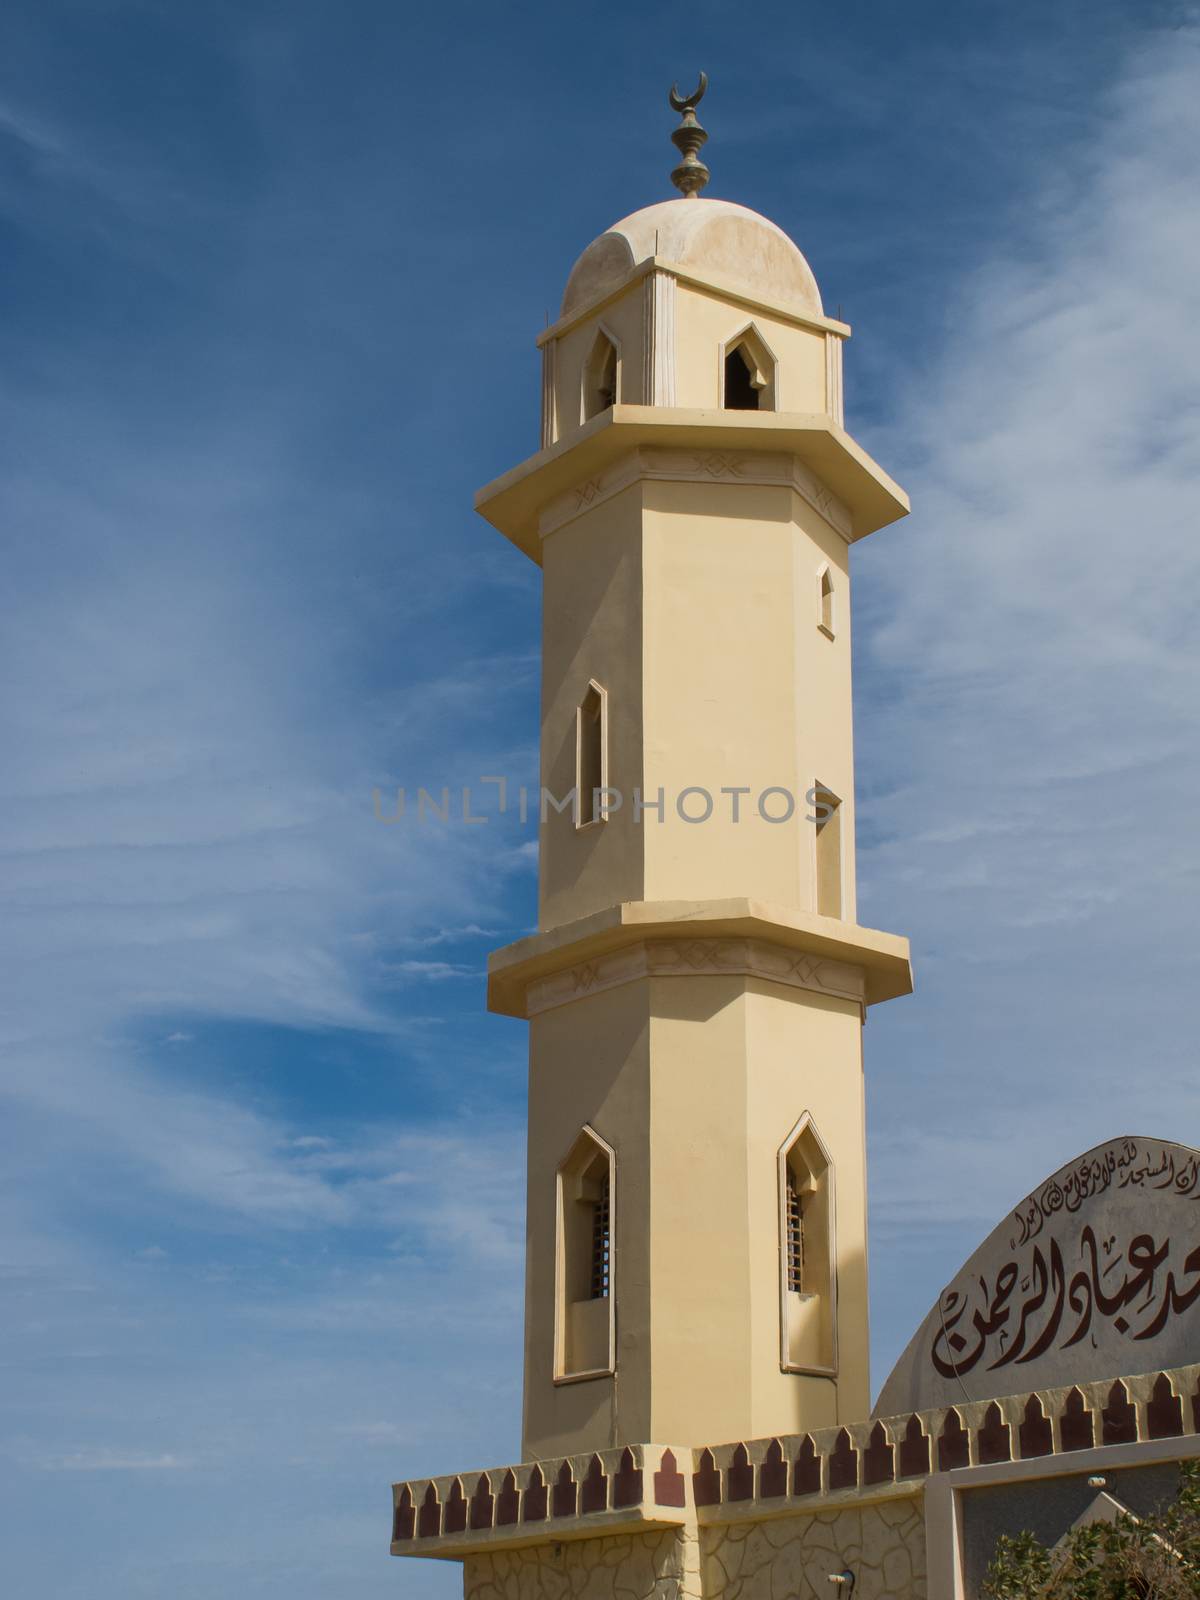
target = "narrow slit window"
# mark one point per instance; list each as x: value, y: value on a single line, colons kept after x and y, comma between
x: 584, y: 1321
x: 825, y: 603
x: 591, y: 735
x: 807, y: 1332
x: 828, y: 852
x: 600, y: 377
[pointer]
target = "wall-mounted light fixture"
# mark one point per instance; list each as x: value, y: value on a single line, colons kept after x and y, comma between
x: 844, y: 1581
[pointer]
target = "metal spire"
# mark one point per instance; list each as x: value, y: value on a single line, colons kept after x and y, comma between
x: 691, y: 174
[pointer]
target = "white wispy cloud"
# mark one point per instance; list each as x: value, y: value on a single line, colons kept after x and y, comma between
x: 431, y: 971
x: 1030, y: 732
x: 114, y: 1461
x: 471, y: 930
x: 185, y: 815
x: 29, y: 130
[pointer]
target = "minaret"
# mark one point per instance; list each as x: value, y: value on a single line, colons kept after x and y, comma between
x: 696, y: 992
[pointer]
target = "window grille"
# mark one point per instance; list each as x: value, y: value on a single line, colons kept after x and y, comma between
x: 601, y: 1245
x: 795, y: 1237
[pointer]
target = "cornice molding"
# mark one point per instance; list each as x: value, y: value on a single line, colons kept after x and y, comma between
x: 697, y: 958
x: 726, y: 287
x: 750, y: 467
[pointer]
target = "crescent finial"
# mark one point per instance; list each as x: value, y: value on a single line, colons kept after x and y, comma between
x: 682, y: 103
x: 691, y: 174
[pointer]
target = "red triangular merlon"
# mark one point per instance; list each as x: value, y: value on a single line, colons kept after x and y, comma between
x: 566, y: 1493
x: 508, y: 1501
x: 843, y: 1463
x: 773, y: 1474
x: 482, y: 1503
x: 954, y: 1447
x: 533, y: 1507
x: 706, y: 1481
x: 1164, y: 1414
x: 741, y: 1475
x: 914, y: 1450
x: 594, y: 1494
x: 1076, y: 1426
x: 429, y: 1518
x: 1035, y: 1433
x: 1119, y: 1416
x: 879, y: 1458
x: 994, y: 1438
x: 404, y: 1518
x: 456, y: 1509
x: 806, y: 1469
x: 627, y: 1485
x: 669, y: 1486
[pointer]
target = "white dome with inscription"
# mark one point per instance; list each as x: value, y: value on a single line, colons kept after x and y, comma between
x: 716, y: 236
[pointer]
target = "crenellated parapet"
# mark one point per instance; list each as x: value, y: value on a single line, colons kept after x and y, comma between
x: 637, y: 1486
x: 647, y: 1486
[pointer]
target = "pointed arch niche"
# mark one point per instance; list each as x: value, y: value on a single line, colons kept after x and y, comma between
x: 601, y: 375
x: 585, y: 1292
x: 748, y: 369
x: 807, y: 1278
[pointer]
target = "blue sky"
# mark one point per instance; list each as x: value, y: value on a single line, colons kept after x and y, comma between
x: 270, y: 276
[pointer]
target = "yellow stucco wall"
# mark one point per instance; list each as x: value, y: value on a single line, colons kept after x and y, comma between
x: 696, y: 607
x: 695, y: 1081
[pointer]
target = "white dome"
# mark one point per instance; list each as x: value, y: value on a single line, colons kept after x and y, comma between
x: 713, y: 235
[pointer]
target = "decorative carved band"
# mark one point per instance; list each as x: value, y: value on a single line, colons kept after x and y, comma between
x: 697, y: 466
x: 685, y: 958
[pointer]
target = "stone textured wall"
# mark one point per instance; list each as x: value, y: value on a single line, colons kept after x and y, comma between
x: 790, y: 1558
x: 779, y: 1558
x: 643, y: 1566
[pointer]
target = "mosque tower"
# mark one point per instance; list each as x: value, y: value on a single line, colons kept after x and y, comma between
x: 696, y: 1256
x: 697, y: 1406
x: 696, y: 1235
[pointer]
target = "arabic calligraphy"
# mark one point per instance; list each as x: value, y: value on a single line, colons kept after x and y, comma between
x: 1092, y: 1176
x: 1058, y: 1291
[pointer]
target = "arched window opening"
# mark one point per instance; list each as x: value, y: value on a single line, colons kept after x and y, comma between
x: 749, y: 375
x: 741, y: 392
x: 591, y: 754
x: 584, y: 1300
x: 825, y: 603
x: 806, y: 1249
x: 600, y: 377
